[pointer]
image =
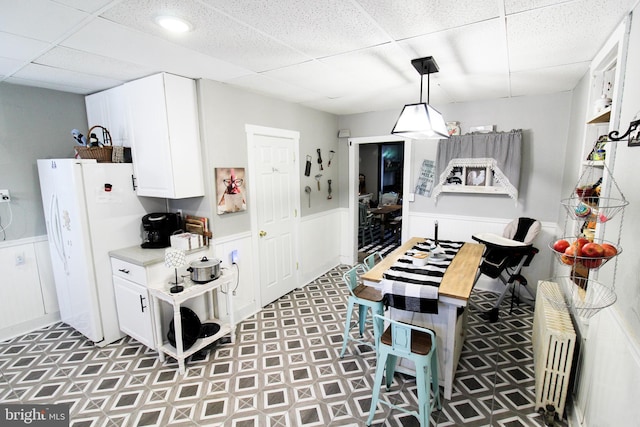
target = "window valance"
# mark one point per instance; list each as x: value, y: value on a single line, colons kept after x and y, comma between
x: 501, y: 152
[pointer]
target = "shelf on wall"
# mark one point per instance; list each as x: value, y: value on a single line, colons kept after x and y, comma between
x: 602, y: 117
x: 484, y: 189
x: 594, y: 163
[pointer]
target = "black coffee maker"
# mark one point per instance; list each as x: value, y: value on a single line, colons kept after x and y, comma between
x: 157, y: 229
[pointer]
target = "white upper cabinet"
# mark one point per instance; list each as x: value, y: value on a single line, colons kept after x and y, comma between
x: 165, y: 139
x: 108, y: 109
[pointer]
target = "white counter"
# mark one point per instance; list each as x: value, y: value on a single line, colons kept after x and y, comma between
x: 145, y: 257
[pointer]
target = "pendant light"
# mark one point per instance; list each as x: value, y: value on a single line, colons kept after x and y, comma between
x: 421, y: 121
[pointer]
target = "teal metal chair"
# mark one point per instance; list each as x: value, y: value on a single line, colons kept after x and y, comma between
x: 367, y: 298
x: 371, y: 260
x: 414, y: 343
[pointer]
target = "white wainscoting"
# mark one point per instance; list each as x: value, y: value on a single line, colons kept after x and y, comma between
x: 28, y: 299
x: 321, y: 243
x: 609, y: 375
x: 461, y: 228
x: 320, y: 246
x: 246, y: 301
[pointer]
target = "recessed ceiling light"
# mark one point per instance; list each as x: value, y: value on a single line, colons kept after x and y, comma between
x: 173, y: 24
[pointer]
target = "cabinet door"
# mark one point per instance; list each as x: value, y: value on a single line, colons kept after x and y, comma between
x: 108, y: 109
x: 97, y: 105
x: 165, y: 136
x: 134, y: 311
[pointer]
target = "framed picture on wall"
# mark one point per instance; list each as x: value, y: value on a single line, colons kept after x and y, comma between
x: 230, y: 190
x: 476, y: 176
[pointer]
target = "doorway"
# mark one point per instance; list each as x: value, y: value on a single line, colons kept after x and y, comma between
x: 355, y: 144
x: 381, y: 169
x: 274, y: 205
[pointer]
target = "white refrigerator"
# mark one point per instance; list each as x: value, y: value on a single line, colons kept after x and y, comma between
x: 90, y: 209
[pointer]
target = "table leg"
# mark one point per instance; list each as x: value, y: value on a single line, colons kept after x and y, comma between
x: 450, y: 364
x: 157, y: 316
x: 177, y: 323
x: 230, y: 313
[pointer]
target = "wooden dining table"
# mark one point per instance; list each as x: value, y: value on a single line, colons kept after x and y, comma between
x: 382, y: 212
x: 450, y: 322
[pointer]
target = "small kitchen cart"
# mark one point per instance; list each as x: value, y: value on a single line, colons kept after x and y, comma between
x: 191, y: 290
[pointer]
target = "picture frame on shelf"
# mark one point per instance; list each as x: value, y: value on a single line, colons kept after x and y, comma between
x: 476, y: 176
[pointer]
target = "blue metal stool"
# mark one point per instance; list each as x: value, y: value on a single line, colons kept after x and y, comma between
x: 366, y: 297
x: 414, y: 343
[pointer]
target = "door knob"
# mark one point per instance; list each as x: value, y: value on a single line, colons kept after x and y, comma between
x: 263, y: 233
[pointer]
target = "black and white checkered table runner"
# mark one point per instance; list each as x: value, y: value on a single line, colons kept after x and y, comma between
x: 415, y: 288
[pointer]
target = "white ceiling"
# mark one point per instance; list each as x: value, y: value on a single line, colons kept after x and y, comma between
x: 340, y: 56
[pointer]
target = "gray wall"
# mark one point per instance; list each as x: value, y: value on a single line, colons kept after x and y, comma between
x: 34, y: 123
x: 225, y: 111
x: 544, y: 120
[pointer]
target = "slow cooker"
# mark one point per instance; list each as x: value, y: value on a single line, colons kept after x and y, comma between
x: 204, y: 270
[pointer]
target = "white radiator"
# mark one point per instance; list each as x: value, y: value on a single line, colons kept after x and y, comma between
x: 553, y: 344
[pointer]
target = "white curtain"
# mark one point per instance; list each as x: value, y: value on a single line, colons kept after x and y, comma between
x: 502, y: 151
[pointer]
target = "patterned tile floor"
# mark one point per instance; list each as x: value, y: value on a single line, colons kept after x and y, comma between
x: 283, y: 370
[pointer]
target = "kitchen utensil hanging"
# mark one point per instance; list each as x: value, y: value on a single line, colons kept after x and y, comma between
x: 307, y: 167
x: 331, y: 154
x: 320, y: 159
x: 307, y: 190
x: 329, y: 196
x: 318, y: 176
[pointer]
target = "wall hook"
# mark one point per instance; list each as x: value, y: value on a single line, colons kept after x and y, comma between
x: 634, y: 140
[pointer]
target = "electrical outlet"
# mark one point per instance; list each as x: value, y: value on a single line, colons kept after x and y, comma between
x: 4, y: 196
x: 234, y: 256
x: 179, y: 212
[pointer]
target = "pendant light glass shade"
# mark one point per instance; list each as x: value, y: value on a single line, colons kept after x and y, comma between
x: 420, y: 121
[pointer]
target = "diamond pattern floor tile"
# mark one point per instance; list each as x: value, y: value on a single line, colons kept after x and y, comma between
x: 283, y: 370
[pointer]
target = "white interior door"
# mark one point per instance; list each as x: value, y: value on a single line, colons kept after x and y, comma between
x: 274, y: 201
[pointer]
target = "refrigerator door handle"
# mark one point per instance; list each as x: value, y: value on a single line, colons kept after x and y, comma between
x: 54, y: 217
x: 133, y: 182
x: 142, y: 306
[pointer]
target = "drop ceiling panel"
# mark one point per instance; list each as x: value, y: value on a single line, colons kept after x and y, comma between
x: 38, y: 19
x: 318, y: 77
x: 478, y: 48
x: 317, y: 28
x: 276, y: 88
x: 88, y: 63
x: 8, y: 66
x: 410, y: 18
x: 561, y: 34
x: 472, y: 88
x: 376, y: 68
x: 90, y: 83
x: 214, y: 33
x: 47, y: 85
x: 86, y: 5
x: 516, y: 6
x: 547, y: 80
x: 341, y: 56
x: 391, y: 99
x: 22, y: 48
x: 147, y: 51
